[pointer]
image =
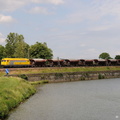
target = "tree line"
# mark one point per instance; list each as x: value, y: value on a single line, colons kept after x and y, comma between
x: 106, y: 55
x: 16, y: 47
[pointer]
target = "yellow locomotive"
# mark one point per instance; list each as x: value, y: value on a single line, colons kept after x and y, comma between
x: 15, y: 62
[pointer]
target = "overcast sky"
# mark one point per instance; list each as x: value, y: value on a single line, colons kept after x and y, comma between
x: 71, y: 28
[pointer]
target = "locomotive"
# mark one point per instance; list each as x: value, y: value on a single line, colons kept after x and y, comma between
x: 15, y: 62
x: 24, y: 62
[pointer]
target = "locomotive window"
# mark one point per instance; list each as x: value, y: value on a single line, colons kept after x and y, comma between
x: 3, y: 60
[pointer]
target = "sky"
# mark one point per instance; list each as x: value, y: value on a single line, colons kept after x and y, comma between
x: 73, y: 29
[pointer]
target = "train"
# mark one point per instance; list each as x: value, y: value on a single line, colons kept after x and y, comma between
x: 25, y: 62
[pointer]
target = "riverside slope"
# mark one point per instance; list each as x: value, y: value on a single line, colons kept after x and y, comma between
x: 13, y: 91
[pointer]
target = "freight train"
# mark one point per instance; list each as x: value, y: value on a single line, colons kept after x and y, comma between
x: 24, y: 62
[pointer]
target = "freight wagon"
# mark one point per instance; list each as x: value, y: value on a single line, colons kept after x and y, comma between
x: 24, y: 62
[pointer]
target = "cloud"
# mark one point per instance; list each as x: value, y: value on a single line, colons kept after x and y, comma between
x: 83, y: 45
x: 108, y: 6
x: 100, y: 28
x: 6, y: 19
x: 11, y: 5
x: 2, y: 38
x: 39, y: 10
x: 116, y: 53
x: 94, y: 10
x: 55, y: 2
x: 7, y: 6
x: 103, y: 8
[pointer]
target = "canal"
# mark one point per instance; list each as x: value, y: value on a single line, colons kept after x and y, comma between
x: 83, y: 100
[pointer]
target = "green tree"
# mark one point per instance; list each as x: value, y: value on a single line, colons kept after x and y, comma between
x: 104, y: 56
x: 40, y: 50
x: 21, y: 48
x: 1, y: 52
x: 11, y: 44
x: 15, y: 46
x: 117, y: 57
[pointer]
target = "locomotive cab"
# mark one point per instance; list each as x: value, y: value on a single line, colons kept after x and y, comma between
x: 4, y: 62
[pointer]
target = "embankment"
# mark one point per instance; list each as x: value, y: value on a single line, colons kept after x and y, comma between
x: 73, y: 76
x: 13, y: 91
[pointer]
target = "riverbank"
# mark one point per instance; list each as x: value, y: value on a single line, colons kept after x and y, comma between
x: 84, y: 100
x: 58, y: 69
x: 13, y: 91
x: 72, y: 76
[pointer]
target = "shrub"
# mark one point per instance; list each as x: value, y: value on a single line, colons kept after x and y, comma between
x: 23, y: 76
x: 58, y: 75
x: 100, y: 76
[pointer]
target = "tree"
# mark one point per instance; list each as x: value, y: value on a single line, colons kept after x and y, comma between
x: 21, y: 48
x: 104, y: 56
x: 40, y: 50
x: 15, y: 46
x: 10, y: 44
x: 117, y: 57
x: 1, y: 52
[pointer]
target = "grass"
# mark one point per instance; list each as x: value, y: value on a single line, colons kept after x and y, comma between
x: 39, y: 82
x: 12, y: 92
x: 63, y: 69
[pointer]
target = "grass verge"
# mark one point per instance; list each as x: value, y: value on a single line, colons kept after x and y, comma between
x: 39, y: 82
x: 12, y: 92
x: 62, y: 69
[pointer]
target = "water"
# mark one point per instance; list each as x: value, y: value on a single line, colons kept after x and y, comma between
x: 84, y: 100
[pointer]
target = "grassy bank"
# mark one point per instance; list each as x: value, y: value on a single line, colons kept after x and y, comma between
x: 64, y: 69
x: 39, y: 82
x: 12, y: 92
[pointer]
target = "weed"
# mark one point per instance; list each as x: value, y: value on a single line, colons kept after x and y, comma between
x: 100, y: 76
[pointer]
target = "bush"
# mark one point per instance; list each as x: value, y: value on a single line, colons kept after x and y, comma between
x: 58, y: 75
x: 23, y: 76
x: 100, y: 76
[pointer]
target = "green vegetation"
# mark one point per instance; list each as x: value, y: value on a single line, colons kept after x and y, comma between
x: 105, y: 56
x: 16, y: 47
x: 100, y: 76
x: 40, y: 50
x: 63, y: 69
x: 12, y: 92
x: 60, y: 70
x: 58, y: 75
x: 23, y: 76
x: 117, y: 57
x: 1, y: 52
x: 39, y: 82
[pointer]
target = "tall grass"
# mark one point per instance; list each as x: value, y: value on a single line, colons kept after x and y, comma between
x: 12, y: 92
